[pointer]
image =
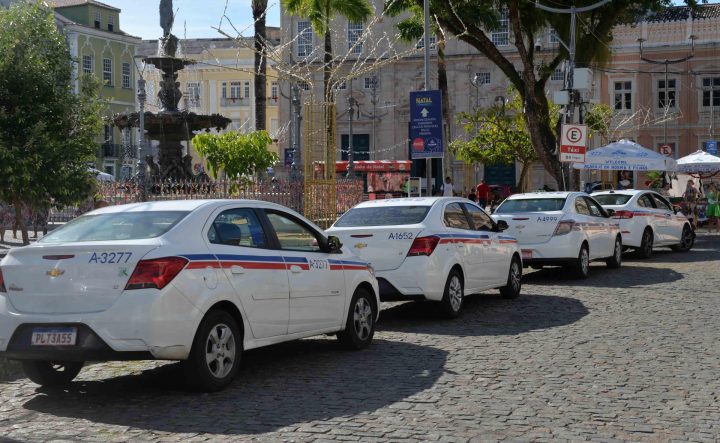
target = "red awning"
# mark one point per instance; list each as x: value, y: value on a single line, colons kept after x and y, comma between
x: 370, y: 166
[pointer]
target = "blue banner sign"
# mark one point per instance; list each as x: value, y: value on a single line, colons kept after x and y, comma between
x: 426, y: 129
x: 711, y: 147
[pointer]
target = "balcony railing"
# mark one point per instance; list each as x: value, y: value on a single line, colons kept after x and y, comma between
x: 112, y: 150
x: 234, y: 101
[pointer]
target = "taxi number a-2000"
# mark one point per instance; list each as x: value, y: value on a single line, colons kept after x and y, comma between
x: 546, y: 219
x: 401, y: 236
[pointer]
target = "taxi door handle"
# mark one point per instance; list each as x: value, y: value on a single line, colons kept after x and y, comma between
x: 295, y: 269
x: 235, y: 269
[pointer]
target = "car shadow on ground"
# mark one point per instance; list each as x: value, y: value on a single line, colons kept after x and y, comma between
x: 603, y: 277
x: 706, y: 248
x: 277, y: 386
x: 485, y: 314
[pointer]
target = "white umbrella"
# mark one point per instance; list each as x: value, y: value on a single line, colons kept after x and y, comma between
x: 101, y: 176
x: 697, y: 162
x: 625, y: 155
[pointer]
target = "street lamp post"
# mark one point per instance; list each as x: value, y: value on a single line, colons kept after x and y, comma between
x: 295, y: 126
x: 352, y: 106
x: 142, y: 182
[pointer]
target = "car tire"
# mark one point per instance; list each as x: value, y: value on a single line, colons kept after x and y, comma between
x: 687, y: 240
x: 514, y: 281
x: 581, y: 267
x: 646, y: 244
x: 452, y: 301
x: 615, y: 261
x: 360, y: 324
x: 216, y: 352
x: 51, y: 373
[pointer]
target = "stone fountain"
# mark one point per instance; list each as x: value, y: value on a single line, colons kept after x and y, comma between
x: 170, y: 126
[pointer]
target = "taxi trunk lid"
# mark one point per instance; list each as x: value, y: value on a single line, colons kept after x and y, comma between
x: 83, y: 277
x: 385, y: 248
x: 531, y: 227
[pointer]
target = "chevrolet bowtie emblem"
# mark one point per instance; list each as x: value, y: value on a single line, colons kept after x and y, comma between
x: 55, y: 272
x: 360, y: 245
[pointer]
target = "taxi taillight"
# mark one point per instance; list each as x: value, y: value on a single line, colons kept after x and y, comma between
x: 2, y: 282
x: 623, y: 214
x: 155, y: 273
x: 564, y: 227
x: 423, y: 246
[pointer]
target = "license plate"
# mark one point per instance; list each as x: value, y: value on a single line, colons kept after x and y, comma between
x: 54, y: 337
x: 526, y: 254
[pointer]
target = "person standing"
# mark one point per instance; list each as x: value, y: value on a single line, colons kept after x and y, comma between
x: 447, y: 190
x: 691, y: 197
x: 713, y: 208
x: 481, y: 192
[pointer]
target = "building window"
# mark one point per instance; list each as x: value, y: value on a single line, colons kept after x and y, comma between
x: 107, y: 71
x: 558, y: 75
x: 711, y: 91
x: 234, y: 89
x: 98, y: 19
x: 305, y: 39
x: 342, y: 85
x: 111, y: 23
x: 87, y: 64
x: 247, y: 89
x: 668, y: 102
x: 274, y: 90
x: 501, y: 35
x: 554, y: 37
x: 623, y: 96
x: 305, y: 86
x: 482, y: 78
x: 193, y: 93
x: 370, y: 82
x: 421, y: 43
x: 108, y: 134
x: 126, y: 75
x: 224, y: 90
x: 354, y: 33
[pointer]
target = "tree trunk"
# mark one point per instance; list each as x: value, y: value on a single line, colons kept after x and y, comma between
x: 20, y: 222
x: 327, y: 68
x: 541, y: 133
x: 328, y: 99
x: 443, y: 86
x: 258, y: 9
x: 522, y: 182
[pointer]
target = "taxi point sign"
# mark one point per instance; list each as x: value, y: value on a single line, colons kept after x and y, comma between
x: 573, y: 143
x: 426, y: 130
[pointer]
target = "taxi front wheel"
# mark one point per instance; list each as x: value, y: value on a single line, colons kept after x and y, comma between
x: 51, y: 373
x: 452, y: 301
x: 360, y: 323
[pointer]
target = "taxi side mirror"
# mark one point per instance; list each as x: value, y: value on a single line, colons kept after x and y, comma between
x: 334, y: 244
x: 501, y: 225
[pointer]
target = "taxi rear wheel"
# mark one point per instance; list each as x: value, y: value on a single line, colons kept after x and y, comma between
x: 514, y: 281
x: 687, y: 240
x: 51, y: 373
x: 581, y: 267
x: 615, y: 261
x: 360, y: 323
x: 452, y: 301
x: 646, y: 244
x: 216, y: 352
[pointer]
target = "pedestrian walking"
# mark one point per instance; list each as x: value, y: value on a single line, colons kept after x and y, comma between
x: 447, y: 189
x: 713, y: 208
x: 691, y: 197
x: 481, y: 192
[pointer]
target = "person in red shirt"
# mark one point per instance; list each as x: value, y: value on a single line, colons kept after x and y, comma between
x: 481, y: 191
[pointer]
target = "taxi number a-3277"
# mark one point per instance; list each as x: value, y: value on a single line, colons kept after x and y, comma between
x: 401, y: 236
x: 319, y: 264
x: 110, y: 257
x: 546, y: 219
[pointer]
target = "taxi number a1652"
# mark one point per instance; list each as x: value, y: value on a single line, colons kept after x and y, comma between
x: 546, y: 219
x: 110, y: 257
x: 401, y: 236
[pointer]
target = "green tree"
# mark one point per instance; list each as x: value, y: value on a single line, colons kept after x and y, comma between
x: 259, y: 8
x: 238, y: 155
x: 47, y: 132
x: 498, y: 136
x: 598, y: 119
x: 320, y: 13
x: 472, y: 21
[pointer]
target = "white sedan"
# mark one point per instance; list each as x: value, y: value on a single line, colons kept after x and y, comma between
x: 432, y: 248
x: 647, y: 220
x: 562, y: 228
x: 196, y: 280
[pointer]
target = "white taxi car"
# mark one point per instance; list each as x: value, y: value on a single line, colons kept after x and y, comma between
x: 562, y: 228
x: 647, y: 220
x: 194, y: 280
x: 432, y: 248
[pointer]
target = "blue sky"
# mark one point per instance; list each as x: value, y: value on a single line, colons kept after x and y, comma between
x: 194, y: 19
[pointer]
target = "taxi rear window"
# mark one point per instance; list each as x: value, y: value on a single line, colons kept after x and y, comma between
x: 383, y: 216
x: 531, y: 205
x: 612, y: 199
x: 115, y: 226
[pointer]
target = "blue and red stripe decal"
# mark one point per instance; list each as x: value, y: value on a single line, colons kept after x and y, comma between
x: 264, y: 262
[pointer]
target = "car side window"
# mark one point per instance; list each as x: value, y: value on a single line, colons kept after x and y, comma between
x: 455, y: 217
x: 581, y: 206
x: 237, y: 227
x: 595, y: 209
x: 661, y: 203
x: 293, y: 235
x: 645, y: 201
x: 481, y: 221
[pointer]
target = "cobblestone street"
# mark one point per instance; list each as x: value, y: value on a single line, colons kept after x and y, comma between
x: 625, y: 355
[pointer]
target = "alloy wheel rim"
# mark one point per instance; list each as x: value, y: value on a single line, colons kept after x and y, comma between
x: 362, y: 318
x: 220, y: 350
x: 686, y: 238
x: 455, y: 292
x: 515, y: 276
x: 585, y: 261
x: 618, y: 251
x: 648, y: 243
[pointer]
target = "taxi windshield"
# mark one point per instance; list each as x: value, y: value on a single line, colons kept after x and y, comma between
x: 612, y: 199
x: 531, y: 205
x: 383, y: 216
x: 115, y: 226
